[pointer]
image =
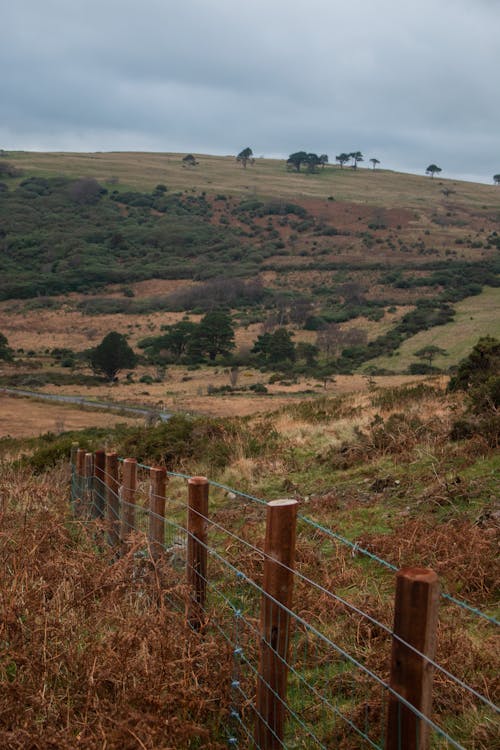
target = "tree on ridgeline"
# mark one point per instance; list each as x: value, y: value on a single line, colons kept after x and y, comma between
x: 312, y: 162
x: 433, y: 169
x: 356, y: 157
x: 342, y: 159
x: 374, y: 162
x: 112, y: 355
x: 496, y: 179
x: 245, y: 156
x: 189, y: 161
x: 323, y: 160
x: 297, y: 159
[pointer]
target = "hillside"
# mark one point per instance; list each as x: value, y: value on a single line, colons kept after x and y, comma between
x: 94, y: 644
x: 368, y: 266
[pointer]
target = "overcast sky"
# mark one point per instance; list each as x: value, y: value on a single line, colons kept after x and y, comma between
x: 410, y: 82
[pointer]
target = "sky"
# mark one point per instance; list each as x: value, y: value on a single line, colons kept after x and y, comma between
x: 410, y: 83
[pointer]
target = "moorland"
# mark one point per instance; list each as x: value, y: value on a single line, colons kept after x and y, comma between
x: 302, y: 329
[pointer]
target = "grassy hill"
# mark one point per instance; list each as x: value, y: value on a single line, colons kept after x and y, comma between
x: 388, y: 254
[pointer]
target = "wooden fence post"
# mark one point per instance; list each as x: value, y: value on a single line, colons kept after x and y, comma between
x: 158, y: 477
x: 129, y: 489
x: 89, y: 471
x: 196, y: 565
x: 415, y: 622
x: 276, y: 600
x: 112, y: 498
x: 98, y: 493
x: 74, y: 448
x: 80, y: 480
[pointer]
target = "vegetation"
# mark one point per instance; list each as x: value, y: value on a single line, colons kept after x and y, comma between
x: 479, y: 374
x: 5, y: 350
x: 112, y: 355
x: 192, y: 342
x: 60, y: 235
x: 245, y: 156
x: 433, y: 169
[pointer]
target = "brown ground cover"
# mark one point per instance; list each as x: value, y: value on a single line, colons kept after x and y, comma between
x: 22, y: 417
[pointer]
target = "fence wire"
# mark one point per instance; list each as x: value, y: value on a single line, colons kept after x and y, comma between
x: 338, y: 693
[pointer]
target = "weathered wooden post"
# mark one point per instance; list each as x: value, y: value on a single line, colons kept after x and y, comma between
x: 98, y: 493
x: 89, y: 471
x: 112, y: 498
x: 74, y: 448
x: 276, y: 601
x: 80, y: 480
x: 415, y: 623
x: 196, y: 566
x: 129, y: 489
x: 158, y: 476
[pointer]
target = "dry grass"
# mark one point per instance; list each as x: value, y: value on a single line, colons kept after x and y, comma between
x: 20, y: 417
x: 268, y: 177
x: 89, y: 656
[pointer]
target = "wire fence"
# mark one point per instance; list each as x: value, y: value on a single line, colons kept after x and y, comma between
x: 310, y: 667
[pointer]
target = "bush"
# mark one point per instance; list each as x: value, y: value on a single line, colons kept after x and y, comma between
x: 478, y: 375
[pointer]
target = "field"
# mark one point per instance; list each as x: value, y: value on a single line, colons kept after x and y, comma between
x: 475, y: 317
x: 267, y: 177
x: 89, y: 658
x: 20, y: 417
x: 330, y: 282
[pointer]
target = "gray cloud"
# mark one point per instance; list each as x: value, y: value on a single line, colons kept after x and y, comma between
x: 410, y: 84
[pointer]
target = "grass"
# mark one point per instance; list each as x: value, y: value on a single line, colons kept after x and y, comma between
x: 219, y: 174
x: 88, y: 634
x: 475, y: 317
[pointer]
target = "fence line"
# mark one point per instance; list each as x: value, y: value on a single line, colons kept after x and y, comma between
x: 354, y: 546
x: 292, y: 683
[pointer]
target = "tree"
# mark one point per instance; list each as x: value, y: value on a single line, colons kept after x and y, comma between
x: 281, y: 347
x: 330, y: 339
x: 478, y: 374
x: 312, y: 161
x: 297, y: 159
x: 244, y: 156
x: 323, y: 160
x: 174, y: 341
x: 189, y: 161
x: 112, y: 355
x: 496, y: 179
x: 433, y: 169
x: 275, y: 348
x: 356, y: 156
x: 307, y: 352
x: 5, y: 350
x: 374, y: 162
x: 86, y: 191
x: 342, y: 159
x: 215, y: 334
x: 429, y: 352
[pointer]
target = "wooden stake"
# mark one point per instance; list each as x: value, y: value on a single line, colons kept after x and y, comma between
x: 415, y: 622
x: 79, y: 480
x: 275, y: 623
x: 196, y: 566
x: 158, y: 477
x: 98, y: 492
x: 112, y: 498
x: 89, y: 471
x: 74, y: 448
x: 129, y: 489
